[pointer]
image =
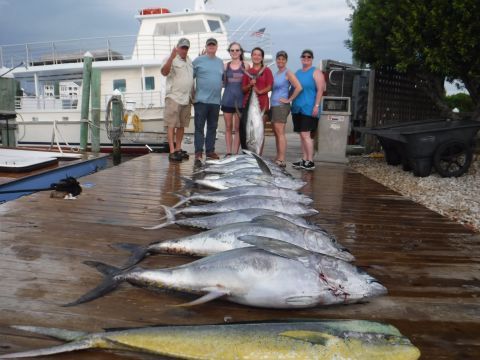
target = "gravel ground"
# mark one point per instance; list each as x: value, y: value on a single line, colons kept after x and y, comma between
x: 455, y: 198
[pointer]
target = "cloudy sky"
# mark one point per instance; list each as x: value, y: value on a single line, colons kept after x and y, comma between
x: 293, y: 24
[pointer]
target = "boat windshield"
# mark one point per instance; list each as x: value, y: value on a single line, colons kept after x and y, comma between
x: 214, y: 26
x: 180, y: 28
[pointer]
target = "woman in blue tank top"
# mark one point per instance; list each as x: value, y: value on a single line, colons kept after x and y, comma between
x: 233, y: 96
x: 306, y: 108
x: 283, y: 81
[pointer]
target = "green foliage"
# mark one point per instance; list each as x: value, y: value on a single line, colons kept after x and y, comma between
x: 436, y: 38
x: 461, y: 101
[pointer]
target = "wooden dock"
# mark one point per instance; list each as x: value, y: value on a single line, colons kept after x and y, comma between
x: 430, y: 265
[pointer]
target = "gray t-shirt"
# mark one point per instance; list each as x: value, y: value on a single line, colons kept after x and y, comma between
x: 180, y: 80
x: 208, y: 73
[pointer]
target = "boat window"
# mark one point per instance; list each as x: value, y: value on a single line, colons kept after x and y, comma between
x: 165, y: 29
x: 191, y: 27
x: 214, y: 26
x: 149, y: 83
x: 120, y: 84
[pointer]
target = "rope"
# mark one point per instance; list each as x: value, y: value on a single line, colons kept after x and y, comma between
x: 114, y: 133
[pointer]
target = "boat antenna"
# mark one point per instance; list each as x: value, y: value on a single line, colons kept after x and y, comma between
x: 5, y: 73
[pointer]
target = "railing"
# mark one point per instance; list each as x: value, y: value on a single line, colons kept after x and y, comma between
x: 117, y: 48
x: 140, y: 101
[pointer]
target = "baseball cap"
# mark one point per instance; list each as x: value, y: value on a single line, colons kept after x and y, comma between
x: 307, y: 51
x: 282, y: 53
x: 211, y: 41
x: 183, y: 42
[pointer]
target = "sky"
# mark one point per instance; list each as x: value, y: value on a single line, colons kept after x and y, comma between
x: 293, y: 25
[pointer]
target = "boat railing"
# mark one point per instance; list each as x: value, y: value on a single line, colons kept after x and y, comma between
x: 113, y: 48
x: 132, y: 100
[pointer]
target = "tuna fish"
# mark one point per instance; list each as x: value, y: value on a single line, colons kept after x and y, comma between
x: 221, y: 195
x: 245, y: 202
x: 231, y: 217
x: 251, y: 125
x: 230, y: 181
x: 270, y: 274
x: 228, y: 237
x: 295, y: 339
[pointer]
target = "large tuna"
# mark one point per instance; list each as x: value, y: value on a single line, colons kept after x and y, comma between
x: 270, y: 274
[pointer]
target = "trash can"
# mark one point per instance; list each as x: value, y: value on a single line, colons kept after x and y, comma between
x: 333, y: 129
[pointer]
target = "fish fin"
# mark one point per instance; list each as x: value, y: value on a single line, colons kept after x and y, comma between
x: 211, y: 295
x: 261, y: 163
x: 108, y: 284
x: 313, y: 337
x: 138, y: 253
x: 275, y: 246
x: 71, y: 346
x: 61, y: 334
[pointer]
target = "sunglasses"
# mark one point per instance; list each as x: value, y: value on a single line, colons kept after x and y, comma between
x: 234, y: 50
x: 306, y: 57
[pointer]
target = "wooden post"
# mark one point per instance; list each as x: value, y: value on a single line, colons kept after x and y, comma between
x: 369, y: 140
x: 87, y: 73
x: 117, y: 120
x: 95, y: 95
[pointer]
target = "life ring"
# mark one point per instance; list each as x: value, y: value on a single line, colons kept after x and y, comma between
x: 154, y: 11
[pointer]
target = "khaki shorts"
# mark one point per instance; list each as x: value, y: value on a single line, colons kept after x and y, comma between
x: 280, y: 113
x: 176, y: 115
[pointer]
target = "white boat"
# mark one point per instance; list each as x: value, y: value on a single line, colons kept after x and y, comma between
x: 50, y: 74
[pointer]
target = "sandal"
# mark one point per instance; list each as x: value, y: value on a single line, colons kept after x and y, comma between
x: 280, y: 163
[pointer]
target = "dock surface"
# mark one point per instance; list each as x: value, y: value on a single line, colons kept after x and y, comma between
x: 430, y: 265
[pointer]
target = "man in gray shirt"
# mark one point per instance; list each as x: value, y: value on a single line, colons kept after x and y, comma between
x: 208, y: 73
x: 178, y: 69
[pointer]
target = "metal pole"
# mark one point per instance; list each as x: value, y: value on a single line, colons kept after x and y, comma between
x: 117, y: 120
x: 95, y: 94
x: 87, y: 73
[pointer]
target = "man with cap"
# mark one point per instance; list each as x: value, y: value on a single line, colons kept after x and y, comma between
x: 208, y: 73
x: 178, y: 69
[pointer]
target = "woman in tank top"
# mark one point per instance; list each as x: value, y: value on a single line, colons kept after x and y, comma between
x: 284, y: 81
x: 306, y: 108
x: 232, y: 99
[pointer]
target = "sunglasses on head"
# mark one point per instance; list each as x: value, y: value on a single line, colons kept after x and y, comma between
x: 234, y: 50
x: 306, y: 56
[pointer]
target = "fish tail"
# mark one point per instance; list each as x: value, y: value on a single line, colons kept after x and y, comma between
x: 108, y: 284
x: 82, y: 344
x: 183, y: 200
x: 188, y: 182
x: 137, y: 253
x: 169, y: 216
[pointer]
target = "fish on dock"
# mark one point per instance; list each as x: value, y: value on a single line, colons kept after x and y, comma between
x: 231, y: 217
x: 269, y: 274
x: 286, y: 339
x: 227, y: 237
x: 247, y: 202
x: 238, y: 191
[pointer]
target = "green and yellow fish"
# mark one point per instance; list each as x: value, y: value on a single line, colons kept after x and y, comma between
x: 292, y: 339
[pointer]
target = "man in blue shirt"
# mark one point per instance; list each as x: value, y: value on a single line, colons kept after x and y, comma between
x: 208, y: 74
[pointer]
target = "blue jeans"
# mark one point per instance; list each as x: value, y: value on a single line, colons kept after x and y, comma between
x: 205, y: 113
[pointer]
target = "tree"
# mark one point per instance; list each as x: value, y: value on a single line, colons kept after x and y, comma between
x: 431, y: 40
x: 461, y: 101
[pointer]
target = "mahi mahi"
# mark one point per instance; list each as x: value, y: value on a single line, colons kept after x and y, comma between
x: 270, y: 274
x: 294, y: 339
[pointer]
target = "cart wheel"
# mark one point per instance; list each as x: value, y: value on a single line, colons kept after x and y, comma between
x: 452, y: 158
